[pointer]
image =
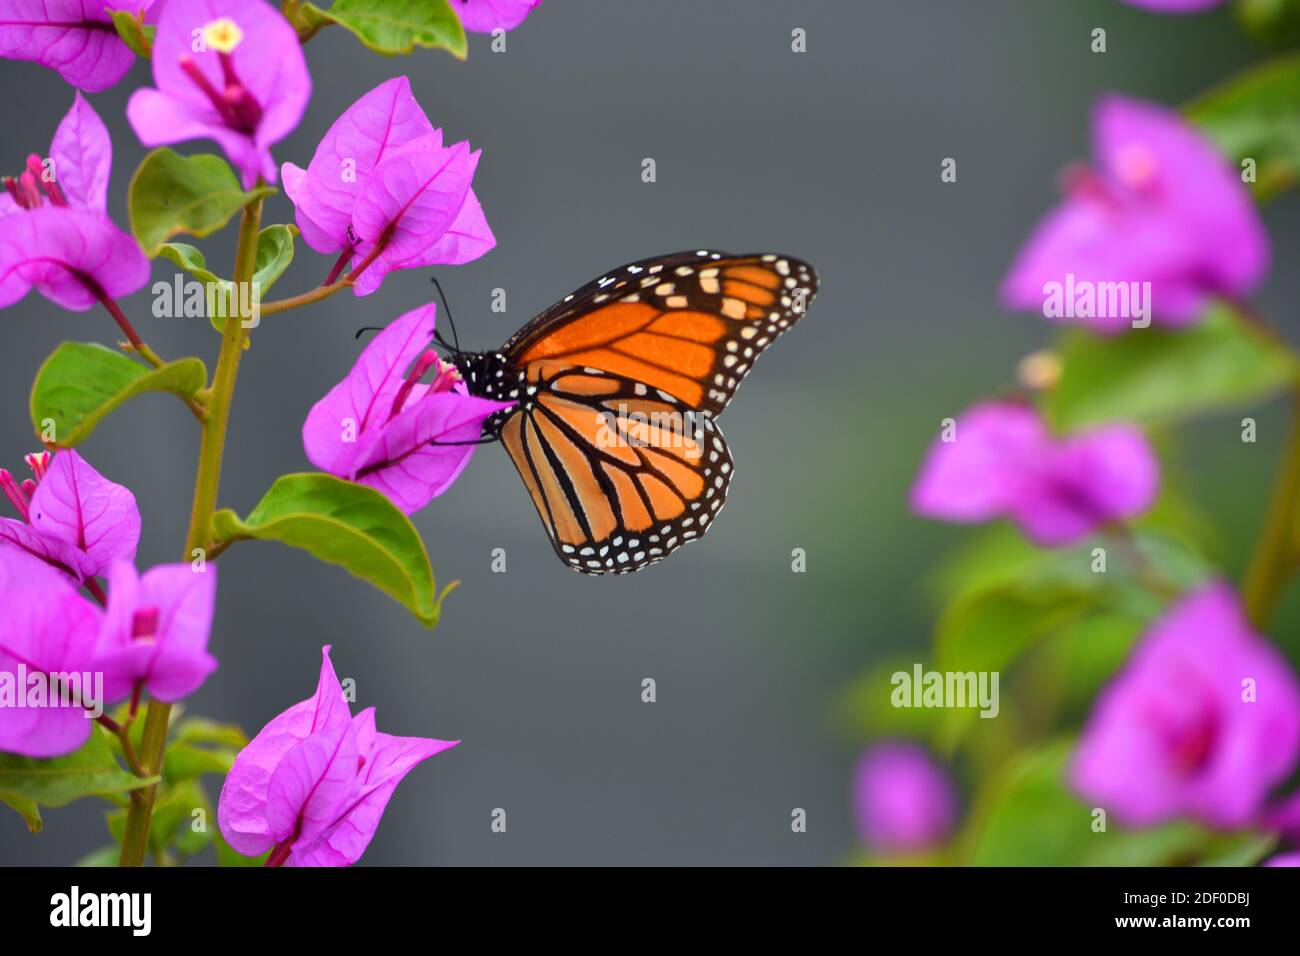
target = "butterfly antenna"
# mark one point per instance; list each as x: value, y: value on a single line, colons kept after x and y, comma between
x: 485, y: 440
x: 367, y: 328
x: 450, y: 321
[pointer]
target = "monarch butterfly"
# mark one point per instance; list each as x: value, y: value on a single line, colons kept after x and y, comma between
x: 617, y: 387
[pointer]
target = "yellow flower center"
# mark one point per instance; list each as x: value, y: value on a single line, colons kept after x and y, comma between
x: 223, y: 35
x: 1040, y: 370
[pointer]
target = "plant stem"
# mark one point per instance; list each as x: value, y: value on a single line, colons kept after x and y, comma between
x: 134, y: 342
x: 307, y: 298
x: 123, y: 323
x: 212, y: 445
x: 1274, y: 558
x: 97, y: 592
x: 326, y: 290
x: 337, y: 269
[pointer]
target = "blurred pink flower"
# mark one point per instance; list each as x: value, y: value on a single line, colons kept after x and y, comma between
x: 484, y: 16
x: 1162, y: 206
x: 227, y: 70
x: 312, y: 786
x: 376, y: 426
x: 155, y: 631
x: 1283, y: 859
x: 381, y: 187
x: 71, y: 515
x: 902, y: 800
x: 74, y: 37
x: 1001, y: 461
x: 46, y: 629
x: 1202, y: 722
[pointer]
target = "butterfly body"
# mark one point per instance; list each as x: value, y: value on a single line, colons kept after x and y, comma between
x: 490, y: 375
x: 617, y: 389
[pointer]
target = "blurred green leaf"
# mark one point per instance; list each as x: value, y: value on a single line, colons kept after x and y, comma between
x: 81, y: 383
x: 994, y: 556
x: 988, y: 632
x: 184, y: 761
x: 89, y: 771
x: 199, y: 730
x: 1027, y: 816
x: 172, y: 194
x: 1085, y: 654
x: 1154, y: 375
x: 104, y: 856
x: 864, y: 708
x: 1256, y: 115
x: 1239, y: 849
x: 347, y: 524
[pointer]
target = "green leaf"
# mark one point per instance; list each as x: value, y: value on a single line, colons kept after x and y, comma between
x: 1256, y: 115
x: 184, y: 762
x: 1152, y: 375
x: 390, y: 26
x: 90, y: 771
x: 346, y: 524
x: 199, y: 730
x: 191, y: 259
x: 82, y: 382
x: 274, y: 253
x: 172, y: 194
x: 134, y: 32
x: 227, y: 856
x: 27, y: 809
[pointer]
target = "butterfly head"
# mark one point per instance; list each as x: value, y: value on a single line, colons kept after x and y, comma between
x: 491, y: 375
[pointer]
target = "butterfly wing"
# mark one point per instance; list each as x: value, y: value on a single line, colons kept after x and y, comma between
x: 621, y: 474
x: 690, y: 324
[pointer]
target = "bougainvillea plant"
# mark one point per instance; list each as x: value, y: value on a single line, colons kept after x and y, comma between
x: 94, y: 652
x: 1165, y: 701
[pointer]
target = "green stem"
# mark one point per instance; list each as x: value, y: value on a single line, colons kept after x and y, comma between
x: 307, y: 298
x: 212, y: 446
x: 327, y: 290
x: 1274, y: 558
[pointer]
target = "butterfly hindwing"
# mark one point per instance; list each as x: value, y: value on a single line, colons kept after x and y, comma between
x: 621, y: 474
x: 690, y: 324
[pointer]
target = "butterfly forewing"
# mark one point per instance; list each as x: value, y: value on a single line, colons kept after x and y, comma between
x: 622, y: 475
x: 690, y: 324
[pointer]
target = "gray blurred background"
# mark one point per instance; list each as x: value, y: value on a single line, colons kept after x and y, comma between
x: 833, y: 156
